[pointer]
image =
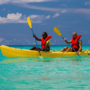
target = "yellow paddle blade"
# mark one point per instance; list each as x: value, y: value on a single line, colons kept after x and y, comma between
x: 56, y: 30
x: 29, y: 22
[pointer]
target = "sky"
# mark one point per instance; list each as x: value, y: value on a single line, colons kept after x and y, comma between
x: 67, y: 15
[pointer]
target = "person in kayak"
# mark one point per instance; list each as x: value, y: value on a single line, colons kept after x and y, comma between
x: 75, y: 43
x: 45, y: 42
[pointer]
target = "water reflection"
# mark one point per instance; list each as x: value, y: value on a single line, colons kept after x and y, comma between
x: 38, y: 59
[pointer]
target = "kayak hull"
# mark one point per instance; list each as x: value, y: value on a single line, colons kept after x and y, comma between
x: 14, y: 52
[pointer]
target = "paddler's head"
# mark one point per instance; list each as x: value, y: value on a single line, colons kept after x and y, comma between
x: 74, y: 35
x: 44, y: 35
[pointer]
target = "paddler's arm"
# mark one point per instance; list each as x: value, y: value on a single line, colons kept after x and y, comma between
x: 36, y: 37
x: 67, y: 41
x: 80, y: 48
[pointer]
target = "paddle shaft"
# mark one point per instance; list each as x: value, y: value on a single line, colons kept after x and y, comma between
x: 71, y: 47
x: 36, y: 41
x: 35, y: 38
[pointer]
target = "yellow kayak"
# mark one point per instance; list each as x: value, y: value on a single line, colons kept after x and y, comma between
x: 14, y: 52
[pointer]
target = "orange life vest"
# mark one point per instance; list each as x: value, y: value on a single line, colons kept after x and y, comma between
x: 75, y: 43
x: 43, y: 41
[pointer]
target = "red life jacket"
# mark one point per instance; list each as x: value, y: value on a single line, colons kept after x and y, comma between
x: 43, y: 41
x: 75, y: 43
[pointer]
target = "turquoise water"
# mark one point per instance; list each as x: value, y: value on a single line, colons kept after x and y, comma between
x: 45, y: 73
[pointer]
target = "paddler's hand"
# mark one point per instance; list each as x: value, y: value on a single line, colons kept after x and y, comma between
x: 77, y: 52
x: 65, y: 39
x: 34, y: 35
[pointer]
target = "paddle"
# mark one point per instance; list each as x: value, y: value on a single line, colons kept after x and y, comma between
x: 30, y: 25
x: 56, y: 30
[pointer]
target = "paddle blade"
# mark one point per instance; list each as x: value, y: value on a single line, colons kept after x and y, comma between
x: 29, y: 22
x: 56, y: 30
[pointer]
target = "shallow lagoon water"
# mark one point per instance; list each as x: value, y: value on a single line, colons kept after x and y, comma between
x: 68, y: 73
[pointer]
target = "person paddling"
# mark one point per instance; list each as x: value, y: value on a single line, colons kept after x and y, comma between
x: 45, y: 42
x: 76, y: 44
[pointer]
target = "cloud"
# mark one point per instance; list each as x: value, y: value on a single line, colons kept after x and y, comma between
x: 85, y: 32
x: 47, y: 17
x: 37, y: 18
x: 56, y: 15
x: 1, y: 39
x: 18, y: 41
x: 64, y: 5
x: 22, y: 1
x: 58, y: 10
x: 87, y: 3
x: 12, y: 18
x: 40, y: 17
x: 80, y: 10
x: 19, y: 18
x: 3, y: 9
x: 28, y: 1
x: 63, y: 11
x: 89, y: 42
x: 40, y: 8
x: 4, y: 1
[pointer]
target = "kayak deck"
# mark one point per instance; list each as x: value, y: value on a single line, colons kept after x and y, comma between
x: 14, y: 52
